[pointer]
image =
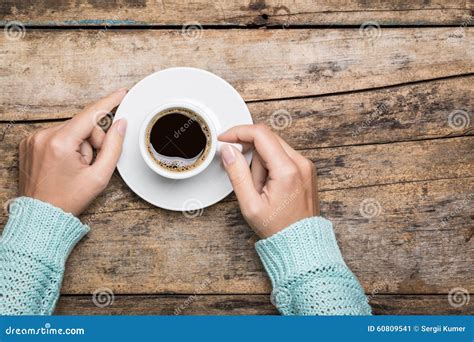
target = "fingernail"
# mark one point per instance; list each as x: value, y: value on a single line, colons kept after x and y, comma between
x: 122, y: 126
x: 228, y: 154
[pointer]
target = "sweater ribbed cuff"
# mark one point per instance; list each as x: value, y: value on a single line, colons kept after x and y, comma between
x: 304, y: 246
x: 41, y: 230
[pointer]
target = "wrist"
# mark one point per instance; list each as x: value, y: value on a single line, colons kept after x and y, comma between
x: 41, y: 230
x: 272, y: 226
x: 302, y: 247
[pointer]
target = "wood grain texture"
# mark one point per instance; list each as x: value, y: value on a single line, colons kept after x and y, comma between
x: 338, y: 167
x: 419, y: 243
x: 418, y: 111
x: 409, y: 112
x: 389, y: 151
x: 247, y: 305
x: 57, y: 71
x: 241, y: 12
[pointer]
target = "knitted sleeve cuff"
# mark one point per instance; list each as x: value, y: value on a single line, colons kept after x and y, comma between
x: 301, y: 247
x: 41, y: 230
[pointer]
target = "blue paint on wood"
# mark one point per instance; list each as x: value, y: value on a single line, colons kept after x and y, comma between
x: 88, y: 22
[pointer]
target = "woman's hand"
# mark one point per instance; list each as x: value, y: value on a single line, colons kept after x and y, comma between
x: 56, y: 164
x: 279, y: 189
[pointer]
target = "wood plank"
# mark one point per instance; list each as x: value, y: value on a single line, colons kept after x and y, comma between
x: 168, y: 305
x: 406, y: 248
x: 240, y: 12
x: 338, y: 167
x: 419, y: 305
x: 417, y: 111
x: 57, y: 71
x: 246, y: 305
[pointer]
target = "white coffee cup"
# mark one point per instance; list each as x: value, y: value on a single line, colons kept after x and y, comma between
x: 206, y: 115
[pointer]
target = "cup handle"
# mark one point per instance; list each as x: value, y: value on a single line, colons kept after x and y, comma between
x: 220, y: 144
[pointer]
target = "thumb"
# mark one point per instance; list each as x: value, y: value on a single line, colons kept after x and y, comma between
x: 111, y: 149
x: 239, y: 174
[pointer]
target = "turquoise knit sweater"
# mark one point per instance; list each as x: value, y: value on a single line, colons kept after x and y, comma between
x: 308, y: 274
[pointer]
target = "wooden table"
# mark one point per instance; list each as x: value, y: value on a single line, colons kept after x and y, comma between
x: 379, y: 96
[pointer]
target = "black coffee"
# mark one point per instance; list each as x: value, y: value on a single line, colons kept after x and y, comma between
x: 178, y: 139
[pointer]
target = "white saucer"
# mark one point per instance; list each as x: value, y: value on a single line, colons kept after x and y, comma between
x: 203, y: 87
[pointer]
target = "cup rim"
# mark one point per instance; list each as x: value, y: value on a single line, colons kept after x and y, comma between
x: 199, y: 110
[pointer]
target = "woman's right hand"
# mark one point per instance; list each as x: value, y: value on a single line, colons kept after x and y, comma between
x: 280, y: 188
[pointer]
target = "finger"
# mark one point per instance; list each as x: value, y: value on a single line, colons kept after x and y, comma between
x: 314, y: 196
x: 265, y: 142
x: 259, y: 172
x: 299, y: 160
x: 80, y: 126
x: 309, y: 176
x: 246, y: 147
x: 21, y: 166
x: 109, y: 154
x: 86, y: 151
x: 97, y: 137
x: 56, y: 128
x: 295, y: 155
x: 239, y: 174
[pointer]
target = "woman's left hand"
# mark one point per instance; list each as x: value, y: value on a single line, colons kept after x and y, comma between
x: 57, y: 166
